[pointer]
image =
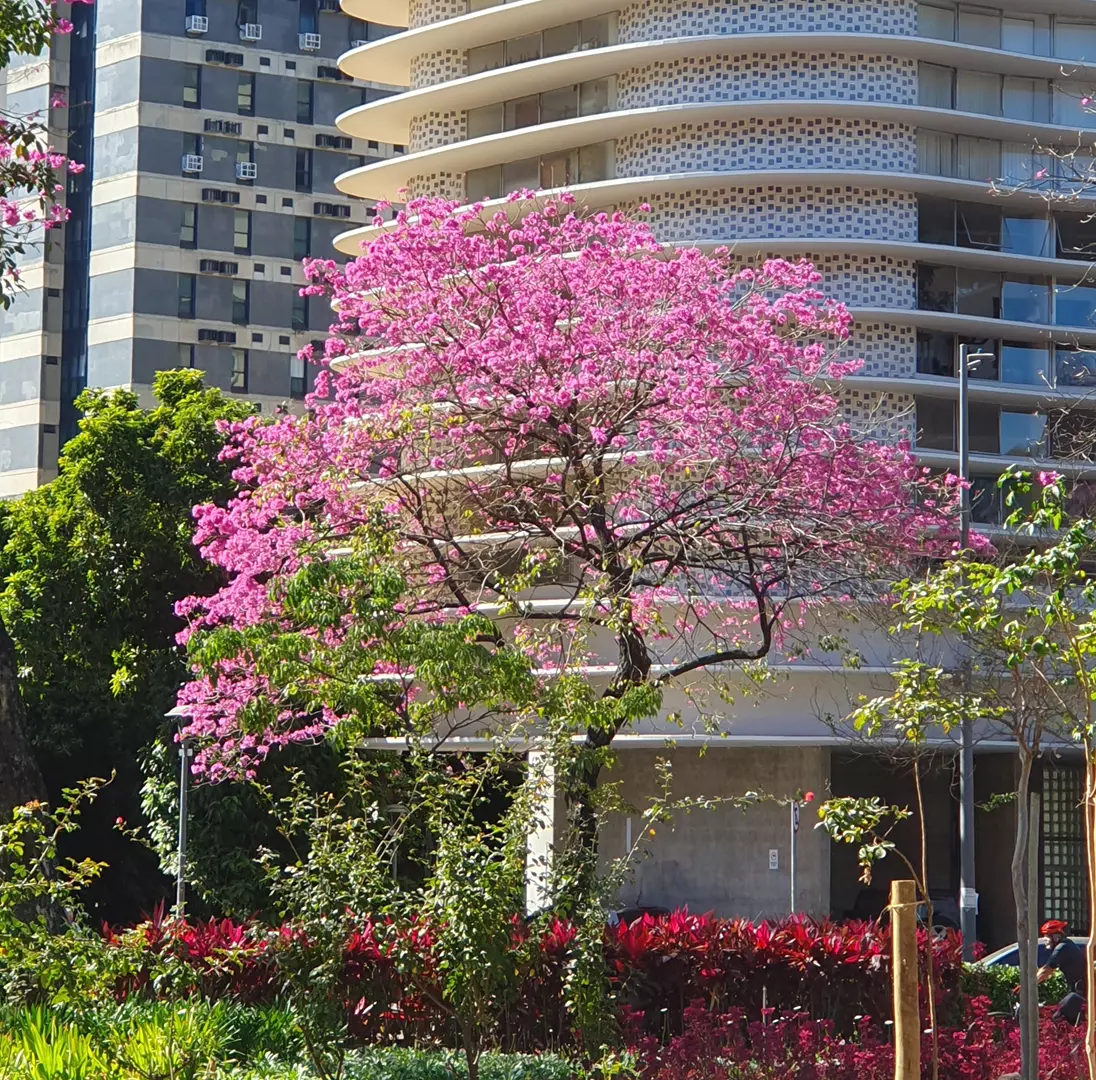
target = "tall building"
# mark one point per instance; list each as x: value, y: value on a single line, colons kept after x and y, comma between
x: 863, y: 136
x: 207, y: 128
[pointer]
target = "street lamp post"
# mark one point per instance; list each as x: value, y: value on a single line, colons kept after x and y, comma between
x: 186, y: 754
x: 968, y: 895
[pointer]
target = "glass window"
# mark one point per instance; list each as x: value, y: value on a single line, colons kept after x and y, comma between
x: 935, y: 353
x: 245, y: 95
x: 1075, y: 367
x: 559, y: 104
x: 485, y: 121
x: 978, y: 293
x: 1076, y: 236
x: 299, y: 319
x: 978, y: 159
x: 595, y: 97
x: 936, y: 153
x: 192, y: 143
x: 985, y: 428
x: 936, y: 86
x: 486, y: 58
x: 559, y: 170
x: 596, y: 162
x: 523, y: 49
x: 1018, y: 34
x: 304, y: 170
x: 1068, y: 109
x: 1024, y: 363
x: 936, y: 22
x: 1025, y: 299
x: 483, y: 184
x: 519, y: 175
x: 188, y: 228
x: 240, y: 301
x: 239, y: 369
x: 980, y: 26
x: 935, y: 287
x: 247, y: 11
x: 186, y: 355
x: 305, y: 101
x: 986, y: 369
x: 985, y: 500
x: 1075, y: 305
x: 1074, y: 40
x: 935, y: 424
x: 521, y: 113
x: 598, y: 32
x: 241, y: 231
x: 935, y: 220
x: 297, y: 377
x: 1022, y: 235
x: 187, y: 284
x: 978, y: 225
x: 1022, y: 433
x: 978, y: 92
x: 561, y: 39
x: 302, y: 237
x: 1025, y: 99
x: 192, y: 86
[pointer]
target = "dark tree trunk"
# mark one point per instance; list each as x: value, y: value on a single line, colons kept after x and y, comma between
x: 20, y: 778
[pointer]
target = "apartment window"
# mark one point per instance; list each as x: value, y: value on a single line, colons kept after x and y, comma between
x: 245, y: 95
x: 186, y: 288
x: 1025, y: 299
x: 935, y: 424
x: 188, y: 228
x: 978, y: 226
x: 186, y: 355
x: 1026, y: 34
x: 1025, y: 99
x: 195, y: 7
x: 1075, y: 367
x: 1021, y: 362
x: 982, y: 293
x: 304, y: 170
x: 247, y: 11
x: 241, y: 302
x: 935, y: 287
x: 1022, y: 434
x: 239, y: 369
x: 1076, y: 236
x: 241, y: 232
x: 192, y: 86
x: 980, y: 27
x: 1075, y: 305
x: 302, y: 238
x: 935, y: 353
x: 977, y: 159
x: 192, y: 144
x: 298, y: 379
x: 936, y: 86
x: 245, y: 155
x: 985, y: 500
x: 309, y: 21
x: 936, y: 22
x: 1074, y: 40
x: 595, y: 33
x: 305, y: 101
x: 1022, y: 234
x: 299, y: 320
x: 978, y: 92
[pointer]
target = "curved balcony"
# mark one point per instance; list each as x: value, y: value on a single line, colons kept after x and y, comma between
x: 608, y: 194
x: 391, y: 116
x: 386, y: 180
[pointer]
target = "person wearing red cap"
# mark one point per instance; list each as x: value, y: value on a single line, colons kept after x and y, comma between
x: 1067, y: 957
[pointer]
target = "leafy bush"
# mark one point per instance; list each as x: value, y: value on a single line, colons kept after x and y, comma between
x: 824, y: 970
x: 998, y: 984
x: 394, y: 1063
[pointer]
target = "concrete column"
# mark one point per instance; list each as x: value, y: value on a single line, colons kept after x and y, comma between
x: 541, y: 845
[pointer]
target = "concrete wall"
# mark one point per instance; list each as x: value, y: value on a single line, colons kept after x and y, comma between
x: 718, y: 859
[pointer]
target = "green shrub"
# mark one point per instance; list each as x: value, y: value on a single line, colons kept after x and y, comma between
x: 394, y: 1063
x: 997, y: 984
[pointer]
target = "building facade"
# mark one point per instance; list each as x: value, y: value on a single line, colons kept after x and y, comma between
x: 207, y: 128
x: 874, y: 138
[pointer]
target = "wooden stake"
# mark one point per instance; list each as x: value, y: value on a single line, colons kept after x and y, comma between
x: 907, y: 1015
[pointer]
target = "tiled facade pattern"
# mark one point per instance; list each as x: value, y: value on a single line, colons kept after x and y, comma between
x: 731, y: 213
x: 432, y: 130
x: 652, y: 20
x: 425, y: 12
x: 439, y: 66
x: 762, y: 143
x: 769, y: 77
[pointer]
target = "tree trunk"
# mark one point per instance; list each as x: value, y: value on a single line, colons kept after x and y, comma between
x: 20, y: 778
x: 1029, y: 1054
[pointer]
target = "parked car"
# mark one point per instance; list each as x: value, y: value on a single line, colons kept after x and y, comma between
x: 629, y: 915
x: 1009, y: 955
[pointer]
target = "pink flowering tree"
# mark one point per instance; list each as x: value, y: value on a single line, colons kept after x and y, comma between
x: 633, y: 463
x: 31, y: 170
